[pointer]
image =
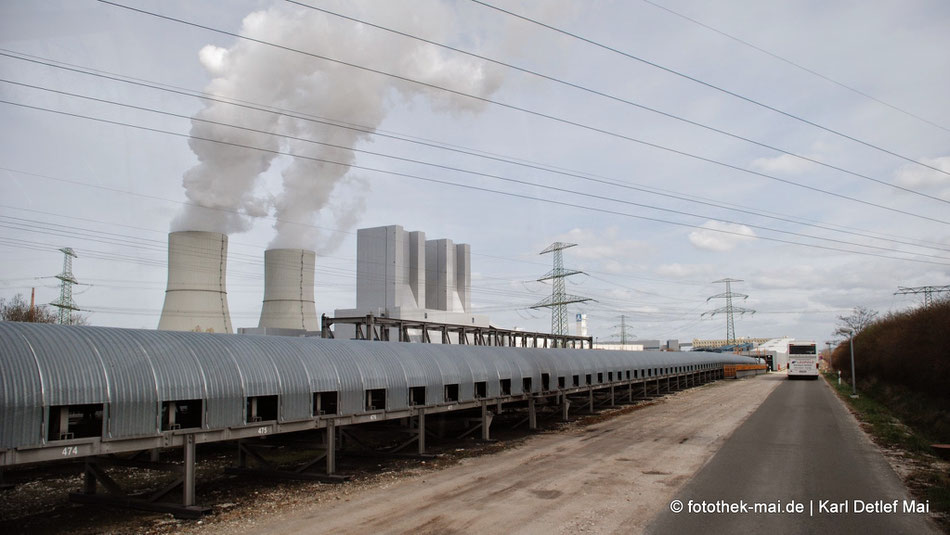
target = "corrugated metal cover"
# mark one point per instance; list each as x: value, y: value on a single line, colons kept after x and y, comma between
x: 132, y: 372
x: 21, y: 392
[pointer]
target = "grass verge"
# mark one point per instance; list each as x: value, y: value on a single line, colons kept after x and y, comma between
x: 929, y: 479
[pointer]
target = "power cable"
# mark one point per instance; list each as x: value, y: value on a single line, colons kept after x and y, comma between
x: 464, y: 186
x: 457, y: 169
x: 593, y: 178
x: 445, y: 167
x: 502, y: 104
x: 796, y: 65
x: 705, y: 84
x: 258, y: 247
x: 620, y: 100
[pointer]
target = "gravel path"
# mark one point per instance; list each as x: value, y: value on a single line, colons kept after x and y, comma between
x: 609, y: 477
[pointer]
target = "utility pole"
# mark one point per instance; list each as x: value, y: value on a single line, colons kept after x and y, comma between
x: 729, y: 309
x: 928, y: 292
x: 559, y: 297
x: 65, y: 304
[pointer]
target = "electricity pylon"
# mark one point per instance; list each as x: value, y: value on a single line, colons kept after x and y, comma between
x: 559, y: 297
x: 623, y: 329
x: 729, y: 309
x: 66, y: 305
x: 928, y: 292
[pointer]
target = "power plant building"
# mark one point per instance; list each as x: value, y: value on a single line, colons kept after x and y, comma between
x: 401, y: 275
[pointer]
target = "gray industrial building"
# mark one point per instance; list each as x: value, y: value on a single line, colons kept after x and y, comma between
x: 401, y: 275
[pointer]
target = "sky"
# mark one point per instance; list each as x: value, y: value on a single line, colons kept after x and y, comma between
x: 800, y: 147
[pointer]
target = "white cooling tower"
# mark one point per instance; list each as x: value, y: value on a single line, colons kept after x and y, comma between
x: 196, y: 298
x: 288, y: 290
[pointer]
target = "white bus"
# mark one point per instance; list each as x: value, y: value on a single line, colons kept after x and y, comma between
x: 802, y: 360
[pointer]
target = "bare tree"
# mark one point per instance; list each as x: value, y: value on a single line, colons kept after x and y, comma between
x: 17, y: 309
x: 859, y: 319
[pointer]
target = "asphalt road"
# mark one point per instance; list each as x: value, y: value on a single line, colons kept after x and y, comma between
x: 803, y: 452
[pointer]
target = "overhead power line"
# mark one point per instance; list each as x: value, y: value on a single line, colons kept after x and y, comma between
x: 796, y: 65
x: 472, y: 187
x: 477, y: 173
x: 162, y: 243
x: 620, y: 100
x: 706, y: 84
x: 613, y: 182
x: 511, y: 106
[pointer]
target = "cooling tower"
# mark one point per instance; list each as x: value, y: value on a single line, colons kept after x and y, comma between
x: 288, y: 290
x: 196, y: 298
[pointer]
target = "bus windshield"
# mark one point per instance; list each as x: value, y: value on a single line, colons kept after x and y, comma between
x: 801, y: 349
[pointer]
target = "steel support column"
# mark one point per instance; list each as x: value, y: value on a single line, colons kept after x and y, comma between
x: 331, y: 447
x: 532, y: 415
x: 486, y: 422
x: 421, y: 424
x: 89, y: 478
x: 188, y: 484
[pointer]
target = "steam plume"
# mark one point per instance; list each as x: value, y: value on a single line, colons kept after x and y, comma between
x: 225, y: 183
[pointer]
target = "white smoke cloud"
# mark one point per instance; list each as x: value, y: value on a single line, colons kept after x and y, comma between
x: 223, y: 182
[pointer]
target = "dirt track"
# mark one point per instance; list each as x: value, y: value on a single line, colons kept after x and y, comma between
x: 609, y: 477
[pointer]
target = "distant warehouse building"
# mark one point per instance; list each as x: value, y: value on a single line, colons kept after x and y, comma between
x: 633, y: 345
x: 712, y: 344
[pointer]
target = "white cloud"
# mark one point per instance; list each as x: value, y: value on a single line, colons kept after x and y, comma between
x: 927, y: 180
x: 788, y: 277
x: 785, y: 163
x: 720, y: 237
x: 605, y: 245
x: 683, y: 271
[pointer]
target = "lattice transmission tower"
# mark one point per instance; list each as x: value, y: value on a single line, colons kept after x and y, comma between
x: 928, y: 292
x: 65, y: 304
x: 624, y: 338
x: 559, y: 297
x: 730, y: 310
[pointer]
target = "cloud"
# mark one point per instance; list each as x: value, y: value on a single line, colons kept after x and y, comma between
x: 720, y: 237
x: 222, y: 187
x: 785, y: 163
x: 927, y: 180
x: 605, y: 245
x: 791, y: 276
x: 684, y: 271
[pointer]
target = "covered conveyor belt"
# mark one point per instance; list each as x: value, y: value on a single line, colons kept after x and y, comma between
x: 69, y: 391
